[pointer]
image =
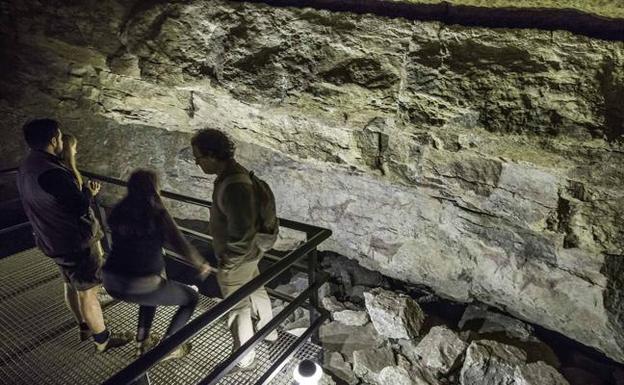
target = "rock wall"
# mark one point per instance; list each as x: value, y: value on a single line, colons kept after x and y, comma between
x: 485, y: 164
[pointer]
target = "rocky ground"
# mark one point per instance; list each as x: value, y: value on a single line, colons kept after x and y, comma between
x: 384, y: 332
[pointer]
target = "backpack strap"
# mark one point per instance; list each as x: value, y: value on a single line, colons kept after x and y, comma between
x: 231, y: 179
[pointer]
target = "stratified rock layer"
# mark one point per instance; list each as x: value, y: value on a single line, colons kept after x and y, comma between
x: 486, y: 164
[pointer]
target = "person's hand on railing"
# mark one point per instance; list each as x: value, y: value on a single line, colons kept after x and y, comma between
x: 205, y: 269
x: 94, y: 187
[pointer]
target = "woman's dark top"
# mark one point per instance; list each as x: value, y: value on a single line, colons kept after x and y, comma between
x: 138, y: 235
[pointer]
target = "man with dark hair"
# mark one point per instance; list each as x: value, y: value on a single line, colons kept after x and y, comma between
x: 234, y: 226
x: 57, y: 209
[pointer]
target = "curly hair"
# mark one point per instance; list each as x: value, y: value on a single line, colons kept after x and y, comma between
x: 218, y: 144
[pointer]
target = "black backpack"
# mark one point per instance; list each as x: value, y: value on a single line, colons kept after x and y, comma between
x: 268, y: 223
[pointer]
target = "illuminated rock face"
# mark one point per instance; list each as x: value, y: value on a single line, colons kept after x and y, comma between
x: 486, y: 164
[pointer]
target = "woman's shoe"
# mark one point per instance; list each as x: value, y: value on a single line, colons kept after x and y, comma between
x: 182, y: 351
x: 114, y: 340
x: 144, y: 346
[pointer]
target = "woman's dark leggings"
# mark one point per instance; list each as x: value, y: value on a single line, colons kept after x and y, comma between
x: 169, y: 293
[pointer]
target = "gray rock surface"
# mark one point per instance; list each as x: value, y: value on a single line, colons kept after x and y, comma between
x: 394, y: 315
x: 395, y: 375
x: 485, y: 164
x: 331, y: 304
x: 490, y: 362
x: 492, y: 322
x: 336, y: 336
x: 538, y: 373
x: 335, y: 363
x: 351, y: 317
x: 440, y: 350
x: 368, y: 363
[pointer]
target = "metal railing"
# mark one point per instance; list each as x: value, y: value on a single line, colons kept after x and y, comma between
x: 136, y: 372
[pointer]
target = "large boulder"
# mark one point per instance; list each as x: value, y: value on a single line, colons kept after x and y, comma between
x: 395, y: 375
x: 339, y: 337
x: 394, y: 315
x: 538, y: 373
x: 440, y: 350
x: 368, y: 364
x: 351, y: 317
x: 488, y: 321
x: 490, y: 362
x: 336, y: 364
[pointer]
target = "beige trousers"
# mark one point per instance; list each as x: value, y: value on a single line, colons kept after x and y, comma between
x: 257, y: 305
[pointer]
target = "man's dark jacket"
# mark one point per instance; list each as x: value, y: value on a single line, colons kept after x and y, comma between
x: 55, y: 206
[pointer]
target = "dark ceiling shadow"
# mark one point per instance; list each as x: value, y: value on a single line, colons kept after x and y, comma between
x: 538, y: 18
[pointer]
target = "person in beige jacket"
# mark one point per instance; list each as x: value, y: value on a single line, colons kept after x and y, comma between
x: 234, y: 228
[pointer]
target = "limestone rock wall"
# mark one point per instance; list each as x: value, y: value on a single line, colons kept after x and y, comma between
x: 485, y: 164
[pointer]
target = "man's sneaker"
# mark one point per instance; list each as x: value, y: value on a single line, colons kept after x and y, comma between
x: 182, y: 351
x: 144, y: 346
x: 114, y: 340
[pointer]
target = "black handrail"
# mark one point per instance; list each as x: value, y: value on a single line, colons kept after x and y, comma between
x: 315, y: 235
x: 277, y: 319
x: 8, y: 170
x: 299, y: 226
x: 14, y: 227
x: 137, y: 368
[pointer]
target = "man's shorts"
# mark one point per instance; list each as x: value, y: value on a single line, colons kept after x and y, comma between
x: 82, y: 270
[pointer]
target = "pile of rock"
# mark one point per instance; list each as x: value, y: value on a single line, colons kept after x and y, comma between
x: 379, y: 334
x: 386, y: 342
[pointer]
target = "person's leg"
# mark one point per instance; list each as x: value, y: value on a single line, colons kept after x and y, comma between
x: 85, y: 277
x: 261, y: 308
x: 146, y: 318
x: 168, y: 293
x: 143, y: 340
x: 91, y: 309
x: 239, y: 318
x: 175, y: 293
x: 73, y: 303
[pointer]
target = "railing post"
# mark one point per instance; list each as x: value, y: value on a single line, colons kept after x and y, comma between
x: 314, y: 298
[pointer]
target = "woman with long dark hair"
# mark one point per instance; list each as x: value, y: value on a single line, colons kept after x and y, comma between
x: 140, y: 225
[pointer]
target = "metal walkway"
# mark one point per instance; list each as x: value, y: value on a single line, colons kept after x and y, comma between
x: 39, y: 341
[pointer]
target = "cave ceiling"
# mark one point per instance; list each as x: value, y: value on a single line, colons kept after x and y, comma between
x: 604, y: 8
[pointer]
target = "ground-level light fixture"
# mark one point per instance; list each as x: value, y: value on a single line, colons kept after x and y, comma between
x: 308, y: 373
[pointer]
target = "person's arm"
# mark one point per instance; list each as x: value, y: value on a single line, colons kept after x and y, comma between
x: 61, y: 185
x: 181, y: 246
x: 240, y: 209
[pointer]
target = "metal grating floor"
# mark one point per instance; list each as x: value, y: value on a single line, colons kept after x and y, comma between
x: 39, y: 339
